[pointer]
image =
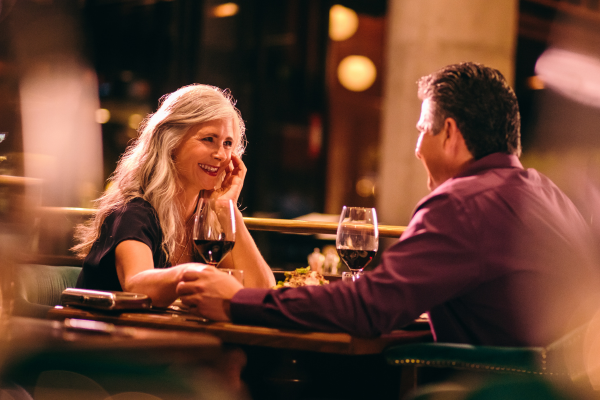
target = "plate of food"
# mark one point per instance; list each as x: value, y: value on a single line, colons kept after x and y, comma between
x: 302, y: 277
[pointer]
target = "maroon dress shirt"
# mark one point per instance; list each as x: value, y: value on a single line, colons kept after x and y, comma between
x: 497, y: 255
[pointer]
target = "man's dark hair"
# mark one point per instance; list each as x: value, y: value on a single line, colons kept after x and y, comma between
x: 481, y: 102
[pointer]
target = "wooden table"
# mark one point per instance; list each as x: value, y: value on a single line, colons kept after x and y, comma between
x: 20, y: 335
x: 53, y: 358
x: 290, y: 364
x: 321, y: 342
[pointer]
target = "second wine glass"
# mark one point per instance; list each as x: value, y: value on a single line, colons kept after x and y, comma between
x: 214, y: 229
x: 357, y: 238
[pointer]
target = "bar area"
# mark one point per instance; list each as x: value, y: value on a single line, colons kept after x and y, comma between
x: 312, y: 200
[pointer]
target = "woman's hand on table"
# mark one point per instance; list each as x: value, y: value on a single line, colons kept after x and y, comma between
x: 208, y: 292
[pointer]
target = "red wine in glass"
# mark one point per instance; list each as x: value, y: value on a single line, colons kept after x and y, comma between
x: 214, y: 229
x: 213, y: 251
x: 356, y: 259
x: 357, y: 239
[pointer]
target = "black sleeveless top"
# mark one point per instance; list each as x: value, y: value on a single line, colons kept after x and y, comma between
x: 136, y: 220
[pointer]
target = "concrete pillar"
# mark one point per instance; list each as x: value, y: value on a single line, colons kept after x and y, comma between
x: 423, y: 36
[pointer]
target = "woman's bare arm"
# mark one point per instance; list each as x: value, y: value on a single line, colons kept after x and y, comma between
x: 246, y: 256
x: 137, y: 274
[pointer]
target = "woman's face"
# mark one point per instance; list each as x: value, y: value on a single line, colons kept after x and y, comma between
x: 204, y: 153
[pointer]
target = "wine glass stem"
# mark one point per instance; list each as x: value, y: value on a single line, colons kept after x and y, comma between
x: 355, y: 274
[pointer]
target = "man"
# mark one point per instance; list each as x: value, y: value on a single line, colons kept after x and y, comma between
x: 496, y: 254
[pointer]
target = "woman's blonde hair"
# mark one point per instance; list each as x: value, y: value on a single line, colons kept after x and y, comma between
x: 147, y: 168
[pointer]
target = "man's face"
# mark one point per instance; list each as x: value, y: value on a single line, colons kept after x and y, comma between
x: 430, y: 148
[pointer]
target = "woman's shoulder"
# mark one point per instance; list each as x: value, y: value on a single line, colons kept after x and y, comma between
x: 135, y: 206
x: 137, y: 203
x: 135, y: 215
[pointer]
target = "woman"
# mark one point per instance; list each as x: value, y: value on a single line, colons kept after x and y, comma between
x: 140, y: 238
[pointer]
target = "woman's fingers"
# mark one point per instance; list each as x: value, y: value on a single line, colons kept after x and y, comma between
x: 187, y: 288
x: 229, y: 168
x: 238, y: 165
x: 191, y: 302
x: 238, y: 168
x: 233, y: 182
x: 227, y: 173
x: 190, y: 275
x: 191, y: 271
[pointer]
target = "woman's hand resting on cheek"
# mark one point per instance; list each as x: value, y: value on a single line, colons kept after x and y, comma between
x: 208, y: 292
x: 232, y: 184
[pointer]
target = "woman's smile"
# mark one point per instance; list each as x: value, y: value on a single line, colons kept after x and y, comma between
x: 209, y: 169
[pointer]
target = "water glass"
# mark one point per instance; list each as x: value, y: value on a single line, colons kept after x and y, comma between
x: 236, y: 273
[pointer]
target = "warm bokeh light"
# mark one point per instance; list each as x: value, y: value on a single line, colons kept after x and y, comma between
x: 356, y: 73
x: 225, y: 10
x: 365, y: 187
x: 135, y: 120
x: 102, y: 115
x: 343, y: 22
x: 574, y: 75
x: 535, y: 83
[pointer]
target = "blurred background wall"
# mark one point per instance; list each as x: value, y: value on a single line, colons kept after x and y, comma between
x: 327, y: 89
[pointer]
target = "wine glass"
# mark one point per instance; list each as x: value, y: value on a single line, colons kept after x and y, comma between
x: 214, y: 229
x: 357, y: 238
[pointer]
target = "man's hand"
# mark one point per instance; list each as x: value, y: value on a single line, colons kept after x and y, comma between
x: 208, y: 292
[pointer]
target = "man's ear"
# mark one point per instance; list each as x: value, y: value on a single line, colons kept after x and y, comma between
x: 455, y: 144
x: 453, y: 136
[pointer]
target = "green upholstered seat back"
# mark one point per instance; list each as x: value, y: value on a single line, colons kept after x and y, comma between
x: 555, y: 359
x: 38, y: 287
x: 461, y: 356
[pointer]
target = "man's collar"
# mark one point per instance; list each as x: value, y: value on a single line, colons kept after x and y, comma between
x: 491, y: 161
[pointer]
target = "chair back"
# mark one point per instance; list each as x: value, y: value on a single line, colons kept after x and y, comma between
x: 560, y: 359
x: 38, y: 287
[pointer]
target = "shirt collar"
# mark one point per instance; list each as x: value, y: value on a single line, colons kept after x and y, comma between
x: 491, y: 161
